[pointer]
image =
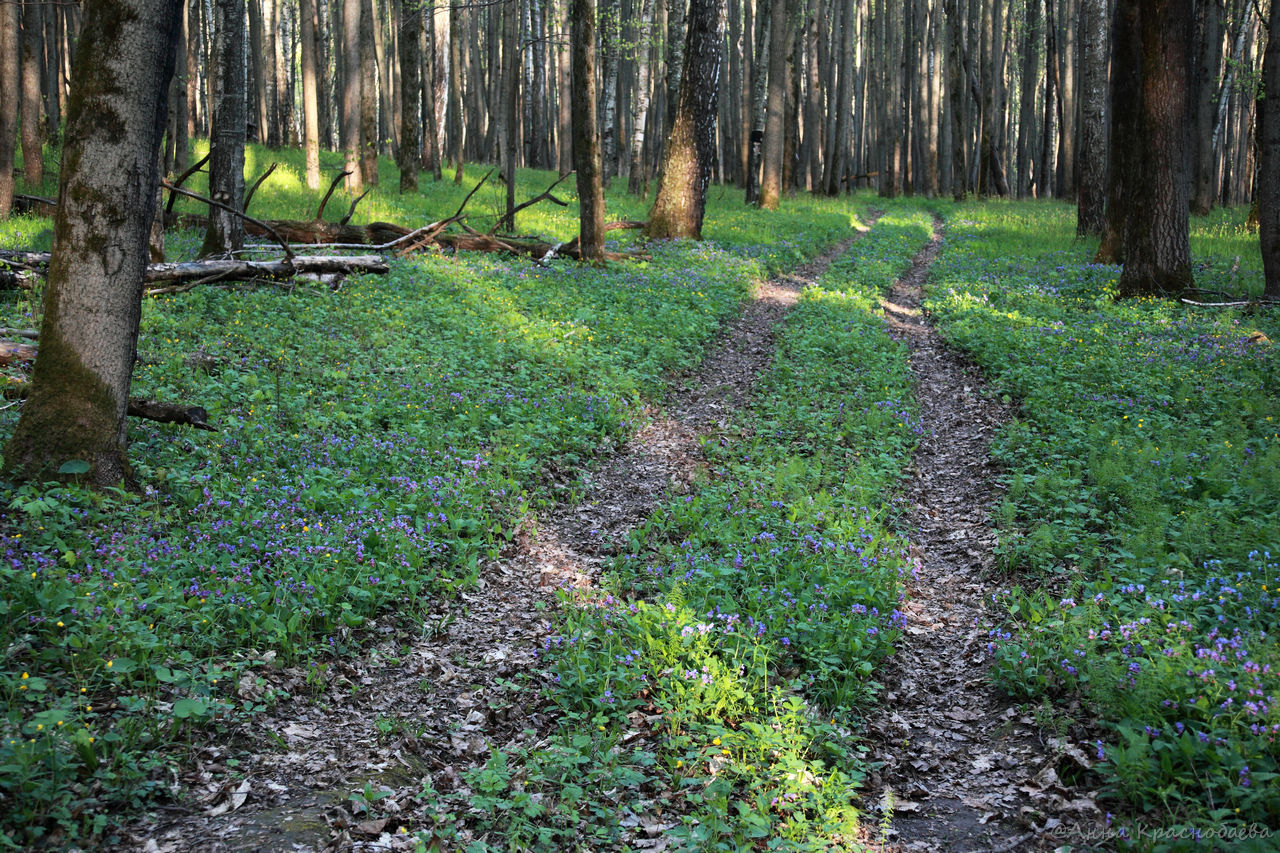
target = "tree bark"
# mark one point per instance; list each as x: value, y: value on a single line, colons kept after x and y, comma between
x: 610, y: 57
x: 1157, y: 233
x: 310, y: 92
x: 636, y: 173
x: 351, y: 96
x: 955, y: 91
x: 225, y: 232
x: 1208, y: 53
x: 681, y: 203
x: 586, y: 132
x: 1067, y: 111
x: 10, y: 98
x: 261, y: 67
x: 107, y: 189
x: 774, y: 126
x: 410, y: 22
x: 759, y: 96
x: 368, y: 97
x: 33, y: 131
x: 1269, y: 161
x: 1091, y: 210
x: 1027, y: 110
x: 1052, y: 105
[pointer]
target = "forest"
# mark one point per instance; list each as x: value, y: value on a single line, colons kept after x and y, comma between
x: 639, y: 425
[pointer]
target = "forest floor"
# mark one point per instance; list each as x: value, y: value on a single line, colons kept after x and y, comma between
x: 962, y: 768
x: 332, y: 767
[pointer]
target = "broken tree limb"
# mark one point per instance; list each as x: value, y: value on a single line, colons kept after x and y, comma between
x: 351, y: 211
x: 545, y: 195
x: 148, y: 410
x: 11, y: 352
x: 248, y: 196
x: 30, y: 334
x: 246, y: 217
x: 180, y: 180
x: 38, y: 205
x: 333, y: 185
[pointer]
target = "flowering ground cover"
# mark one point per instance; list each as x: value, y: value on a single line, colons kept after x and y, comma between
x: 373, y: 444
x: 1141, y: 509
x: 744, y: 625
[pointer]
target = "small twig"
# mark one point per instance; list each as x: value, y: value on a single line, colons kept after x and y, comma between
x: 248, y: 197
x: 181, y: 179
x: 351, y: 210
x: 246, y: 217
x: 332, y: 186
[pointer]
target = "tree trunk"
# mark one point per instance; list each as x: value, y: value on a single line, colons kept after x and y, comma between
x: 1208, y: 55
x: 1157, y: 235
x: 636, y: 177
x: 32, y: 104
x: 225, y: 232
x: 813, y: 118
x: 774, y: 126
x: 682, y: 194
x: 351, y: 97
x: 456, y: 125
x: 610, y: 56
x: 1052, y: 111
x: 368, y: 96
x: 586, y: 132
x: 10, y: 98
x: 310, y: 92
x: 260, y: 67
x: 759, y: 95
x: 1091, y: 212
x: 539, y: 148
x: 177, y: 156
x: 838, y: 144
x: 409, y: 23
x: 564, y: 120
x: 1067, y: 112
x: 1269, y: 161
x: 107, y: 189
x: 1027, y: 110
x: 955, y: 91
x: 510, y: 105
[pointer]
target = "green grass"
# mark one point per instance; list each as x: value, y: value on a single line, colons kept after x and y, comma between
x: 1141, y: 507
x: 374, y: 444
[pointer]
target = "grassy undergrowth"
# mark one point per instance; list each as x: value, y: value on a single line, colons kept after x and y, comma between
x: 1143, y: 483
x: 374, y: 443
x: 722, y: 675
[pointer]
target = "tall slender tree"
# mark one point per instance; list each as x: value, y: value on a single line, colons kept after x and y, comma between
x: 310, y: 90
x: 586, y: 131
x: 1269, y: 159
x: 1157, y: 250
x: 10, y: 98
x: 1091, y: 209
x: 409, y: 22
x: 225, y: 232
x: 351, y: 97
x: 106, y: 201
x: 775, y: 126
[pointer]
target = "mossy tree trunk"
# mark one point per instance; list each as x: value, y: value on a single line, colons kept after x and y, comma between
x: 409, y: 22
x: 691, y: 147
x: 1267, y: 201
x: 586, y: 133
x: 106, y: 199
x: 225, y: 232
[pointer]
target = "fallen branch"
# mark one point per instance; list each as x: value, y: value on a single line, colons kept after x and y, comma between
x: 352, y: 209
x: 1237, y: 304
x: 148, y: 410
x: 545, y: 195
x: 30, y: 334
x: 39, y: 205
x: 246, y: 217
x: 333, y: 185
x: 248, y: 197
x: 240, y: 270
x: 180, y: 180
x: 11, y: 352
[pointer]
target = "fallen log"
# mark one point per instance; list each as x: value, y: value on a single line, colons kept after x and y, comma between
x: 232, y: 269
x: 147, y: 410
x: 11, y: 352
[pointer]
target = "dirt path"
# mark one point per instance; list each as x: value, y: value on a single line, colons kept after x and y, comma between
x: 964, y: 770
x: 427, y: 708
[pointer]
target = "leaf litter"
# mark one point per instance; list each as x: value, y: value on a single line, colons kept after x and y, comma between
x: 961, y: 767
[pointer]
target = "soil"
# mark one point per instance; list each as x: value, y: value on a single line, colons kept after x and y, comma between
x: 962, y: 767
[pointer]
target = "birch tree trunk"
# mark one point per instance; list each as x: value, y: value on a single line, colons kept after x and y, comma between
x: 682, y: 195
x: 636, y: 173
x: 107, y: 190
